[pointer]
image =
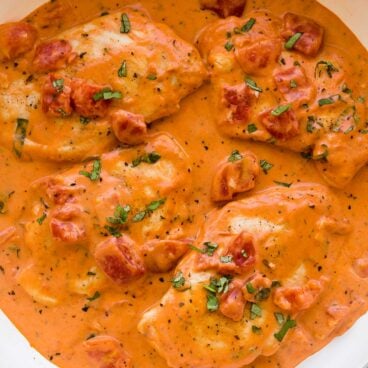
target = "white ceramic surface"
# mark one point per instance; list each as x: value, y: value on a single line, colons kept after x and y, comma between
x: 347, y: 351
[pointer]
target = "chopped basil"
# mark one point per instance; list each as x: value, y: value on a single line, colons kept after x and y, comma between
x: 114, y: 231
x: 154, y: 205
x: 346, y: 89
x: 284, y: 329
x: 229, y: 46
x: 252, y: 84
x: 263, y: 294
x: 223, y: 284
x: 283, y: 184
x: 83, y: 120
x: 226, y: 259
x: 328, y: 66
x: 279, y: 318
x: 361, y: 99
x: 266, y: 166
x: 310, y: 124
x: 212, y: 302
x: 107, y: 94
x: 125, y: 24
x: 151, y: 77
x: 326, y: 101
x: 323, y: 155
x: 123, y: 71
x: 120, y: 215
x: 280, y: 110
x: 149, y: 158
x: 248, y: 25
x: 275, y: 284
x: 41, y: 219
x: 58, y: 84
x: 255, y: 311
x: 178, y: 281
x: 209, y: 249
x: 139, y: 216
x: 95, y: 296
x: 250, y: 288
x: 20, y: 135
x: 293, y: 83
x: 290, y: 43
x: 95, y: 174
x: 363, y: 131
x: 235, y: 156
x: 251, y: 128
x: 256, y: 330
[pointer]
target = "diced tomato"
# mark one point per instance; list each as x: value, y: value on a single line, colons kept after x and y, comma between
x: 52, y: 55
x: 107, y: 352
x: 293, y: 84
x: 118, y: 258
x: 312, y: 33
x: 163, y: 255
x: 234, y: 177
x: 298, y: 298
x: 128, y: 128
x: 224, y: 8
x: 255, y: 57
x: 16, y: 39
x: 84, y: 103
x: 56, y: 96
x: 284, y: 126
x: 237, y: 100
x: 242, y: 252
x: 232, y: 303
x: 67, y: 231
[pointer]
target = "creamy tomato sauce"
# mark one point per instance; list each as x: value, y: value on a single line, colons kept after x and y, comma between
x: 59, y: 331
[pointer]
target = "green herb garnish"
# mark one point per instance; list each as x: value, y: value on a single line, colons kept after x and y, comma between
x: 94, y: 175
x: 125, y: 24
x: 235, y: 156
x: 285, y: 328
x: 280, y: 110
x: 248, y: 25
x: 290, y: 43
x: 178, y: 281
x: 123, y: 71
x: 41, y: 219
x: 149, y: 158
x: 266, y: 166
x: 20, y: 135
x: 252, y: 84
x: 107, y: 94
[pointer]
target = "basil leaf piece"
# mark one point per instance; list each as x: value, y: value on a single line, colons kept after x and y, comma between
x: 290, y: 43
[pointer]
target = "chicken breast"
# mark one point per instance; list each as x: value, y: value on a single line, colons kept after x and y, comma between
x: 276, y: 81
x: 73, y: 87
x: 95, y: 219
x: 241, y: 290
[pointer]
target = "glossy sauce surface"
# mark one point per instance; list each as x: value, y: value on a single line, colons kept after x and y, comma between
x: 58, y: 332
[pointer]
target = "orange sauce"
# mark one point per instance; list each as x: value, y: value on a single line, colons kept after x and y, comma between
x: 57, y: 332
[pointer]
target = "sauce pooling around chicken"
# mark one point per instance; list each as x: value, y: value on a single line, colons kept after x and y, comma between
x: 228, y: 232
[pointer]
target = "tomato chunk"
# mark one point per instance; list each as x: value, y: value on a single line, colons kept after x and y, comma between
x: 107, y: 352
x: 293, y: 84
x: 283, y: 126
x: 312, y: 33
x: 234, y: 177
x: 67, y: 231
x: 56, y: 96
x: 232, y: 303
x: 118, y: 258
x: 84, y: 103
x: 52, y: 55
x: 163, y: 255
x: 298, y: 298
x: 224, y: 8
x: 128, y: 128
x: 237, y: 101
x: 253, y: 58
x: 16, y: 39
